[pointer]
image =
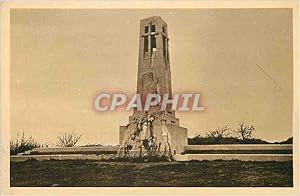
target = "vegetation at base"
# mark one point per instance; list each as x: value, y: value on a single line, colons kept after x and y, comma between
x: 22, y: 143
x: 88, y: 173
x: 243, y: 134
x: 200, y: 140
x: 288, y: 141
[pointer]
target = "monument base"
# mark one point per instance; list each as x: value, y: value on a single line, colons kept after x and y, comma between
x: 163, y: 133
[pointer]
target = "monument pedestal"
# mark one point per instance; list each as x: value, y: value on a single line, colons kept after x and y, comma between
x: 177, y: 136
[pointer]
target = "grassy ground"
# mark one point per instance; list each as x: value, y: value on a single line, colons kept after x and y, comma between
x: 203, y: 173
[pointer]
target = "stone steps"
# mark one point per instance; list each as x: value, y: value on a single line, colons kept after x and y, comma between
x: 228, y: 157
x: 72, y: 150
x: 240, y: 147
x: 183, y: 157
x: 103, y: 157
x: 244, y: 152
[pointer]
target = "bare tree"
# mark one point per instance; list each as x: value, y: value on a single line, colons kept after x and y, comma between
x: 219, y: 132
x: 244, y: 131
x: 68, y: 139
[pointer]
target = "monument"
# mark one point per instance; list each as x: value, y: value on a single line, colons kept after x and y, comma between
x: 153, y: 132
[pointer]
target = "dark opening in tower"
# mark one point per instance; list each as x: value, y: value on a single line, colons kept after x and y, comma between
x: 152, y: 28
x: 146, y: 29
x: 146, y: 44
x: 153, y: 42
x: 164, y: 47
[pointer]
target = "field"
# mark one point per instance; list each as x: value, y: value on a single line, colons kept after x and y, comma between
x: 195, y: 173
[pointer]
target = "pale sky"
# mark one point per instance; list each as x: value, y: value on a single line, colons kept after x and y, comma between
x: 61, y: 59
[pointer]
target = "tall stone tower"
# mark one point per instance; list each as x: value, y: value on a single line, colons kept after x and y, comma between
x: 154, y: 74
x: 154, y: 77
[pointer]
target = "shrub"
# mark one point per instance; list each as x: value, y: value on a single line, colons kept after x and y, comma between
x: 245, y: 132
x: 227, y: 140
x: 288, y: 141
x: 22, y: 143
x: 68, y: 139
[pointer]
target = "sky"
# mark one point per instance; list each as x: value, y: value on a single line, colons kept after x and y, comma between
x: 239, y: 60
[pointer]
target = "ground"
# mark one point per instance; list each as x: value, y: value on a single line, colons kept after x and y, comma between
x: 195, y: 173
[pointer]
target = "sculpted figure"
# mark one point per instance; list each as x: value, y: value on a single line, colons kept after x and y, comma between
x: 166, y: 147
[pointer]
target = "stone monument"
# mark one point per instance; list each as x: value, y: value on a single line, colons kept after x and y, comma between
x: 153, y: 132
